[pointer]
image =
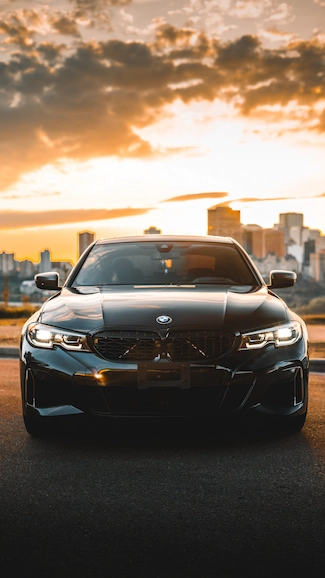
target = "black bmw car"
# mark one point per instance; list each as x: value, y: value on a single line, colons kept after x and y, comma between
x: 157, y: 326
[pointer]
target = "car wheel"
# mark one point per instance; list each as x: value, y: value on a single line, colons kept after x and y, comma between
x: 36, y: 427
x: 291, y: 424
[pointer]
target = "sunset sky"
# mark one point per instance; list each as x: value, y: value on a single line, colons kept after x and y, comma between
x: 119, y: 115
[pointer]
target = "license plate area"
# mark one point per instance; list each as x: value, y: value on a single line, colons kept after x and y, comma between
x: 164, y: 375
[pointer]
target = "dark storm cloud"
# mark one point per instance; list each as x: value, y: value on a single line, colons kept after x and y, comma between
x: 90, y: 101
x: 19, y: 219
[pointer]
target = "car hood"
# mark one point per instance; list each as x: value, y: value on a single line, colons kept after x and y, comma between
x: 240, y: 308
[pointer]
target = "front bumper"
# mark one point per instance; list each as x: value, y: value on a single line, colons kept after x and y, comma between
x: 58, y: 383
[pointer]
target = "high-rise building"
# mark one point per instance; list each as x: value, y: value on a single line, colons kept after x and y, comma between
x: 45, y: 262
x: 26, y: 269
x: 84, y: 240
x: 320, y: 244
x: 260, y: 242
x: 63, y: 268
x: 274, y: 242
x: 225, y: 222
x: 317, y: 266
x: 289, y: 220
x: 310, y: 234
x: 248, y: 231
x: 7, y: 263
x: 292, y: 224
x: 309, y: 247
x: 295, y: 235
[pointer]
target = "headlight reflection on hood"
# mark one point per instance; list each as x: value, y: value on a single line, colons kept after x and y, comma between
x: 280, y: 336
x: 46, y: 337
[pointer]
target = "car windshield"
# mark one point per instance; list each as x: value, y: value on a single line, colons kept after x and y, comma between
x: 164, y: 263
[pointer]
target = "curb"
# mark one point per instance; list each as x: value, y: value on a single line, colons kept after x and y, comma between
x: 9, y: 352
x: 315, y: 365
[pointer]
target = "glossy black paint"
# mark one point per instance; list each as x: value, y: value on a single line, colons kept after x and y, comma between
x: 248, y: 308
x: 272, y: 381
x: 282, y: 279
x: 49, y: 281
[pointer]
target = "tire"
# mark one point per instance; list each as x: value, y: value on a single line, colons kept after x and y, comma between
x: 36, y: 427
x: 291, y: 424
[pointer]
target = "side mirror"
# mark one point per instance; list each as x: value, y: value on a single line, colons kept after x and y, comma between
x: 49, y: 281
x: 281, y: 279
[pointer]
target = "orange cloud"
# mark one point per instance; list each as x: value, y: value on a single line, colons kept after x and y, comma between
x: 20, y: 219
x: 259, y: 199
x: 195, y: 196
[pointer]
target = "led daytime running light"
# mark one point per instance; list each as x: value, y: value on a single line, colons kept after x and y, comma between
x: 281, y: 336
x: 47, y: 337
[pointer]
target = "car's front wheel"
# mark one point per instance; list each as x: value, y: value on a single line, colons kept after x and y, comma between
x: 292, y: 424
x: 37, y: 427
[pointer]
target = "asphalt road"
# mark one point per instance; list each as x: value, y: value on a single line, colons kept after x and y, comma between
x: 162, y: 503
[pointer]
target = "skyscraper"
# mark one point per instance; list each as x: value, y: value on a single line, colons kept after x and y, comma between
x: 84, y: 240
x: 225, y: 222
x: 259, y: 242
x: 288, y: 220
x: 45, y: 261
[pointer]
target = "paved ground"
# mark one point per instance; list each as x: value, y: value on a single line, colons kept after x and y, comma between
x: 316, y: 333
x: 161, y: 503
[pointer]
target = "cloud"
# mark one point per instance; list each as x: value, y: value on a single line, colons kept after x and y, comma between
x: 259, y: 199
x: 20, y: 219
x: 98, y: 4
x: 169, y: 35
x: 19, y: 27
x: 66, y: 25
x: 51, y: 51
x: 195, y: 196
x: 24, y: 26
x: 264, y: 199
x: 282, y: 13
x: 95, y: 10
x: 90, y: 99
x: 250, y: 8
x: 31, y: 195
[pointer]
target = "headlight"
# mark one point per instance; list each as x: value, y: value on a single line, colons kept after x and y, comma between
x: 46, y: 337
x: 280, y: 336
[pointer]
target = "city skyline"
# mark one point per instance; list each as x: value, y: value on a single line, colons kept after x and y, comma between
x: 288, y: 245
x: 281, y: 240
x: 119, y: 115
x: 73, y: 252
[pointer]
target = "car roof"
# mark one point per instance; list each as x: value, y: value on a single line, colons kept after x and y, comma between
x: 168, y: 239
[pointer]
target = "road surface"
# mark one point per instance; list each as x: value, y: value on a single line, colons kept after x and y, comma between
x: 161, y: 503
